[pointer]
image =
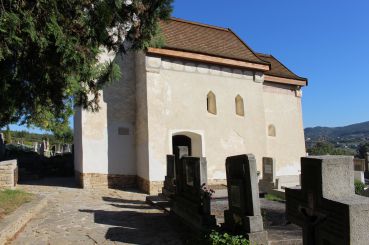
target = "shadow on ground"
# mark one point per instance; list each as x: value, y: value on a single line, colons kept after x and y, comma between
x: 67, y: 182
x: 138, y: 223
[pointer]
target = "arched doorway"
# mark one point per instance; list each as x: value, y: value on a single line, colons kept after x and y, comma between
x: 192, y: 140
x: 183, y: 142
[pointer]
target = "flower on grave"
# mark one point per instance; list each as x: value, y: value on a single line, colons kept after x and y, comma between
x: 206, y: 191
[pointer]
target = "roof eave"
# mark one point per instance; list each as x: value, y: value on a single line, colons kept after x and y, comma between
x: 283, y: 80
x: 208, y: 59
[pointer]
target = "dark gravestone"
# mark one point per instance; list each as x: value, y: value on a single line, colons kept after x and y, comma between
x: 326, y: 206
x: 244, y: 215
x: 169, y: 185
x: 190, y: 202
x: 2, y: 146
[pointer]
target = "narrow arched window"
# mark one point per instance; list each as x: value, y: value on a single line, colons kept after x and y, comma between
x: 239, y: 106
x: 211, y: 103
x: 271, y: 130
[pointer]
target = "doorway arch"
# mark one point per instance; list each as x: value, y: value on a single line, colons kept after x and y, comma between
x: 188, y: 138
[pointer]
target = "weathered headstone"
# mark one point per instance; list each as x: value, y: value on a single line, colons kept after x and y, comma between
x: 2, y: 146
x: 359, y: 164
x: 326, y: 206
x: 267, y: 183
x: 190, y: 202
x: 244, y: 215
x: 42, y: 148
x: 268, y: 169
x: 169, y: 185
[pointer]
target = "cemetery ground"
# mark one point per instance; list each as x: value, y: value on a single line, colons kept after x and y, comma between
x: 78, y: 216
x: 107, y: 216
x: 10, y: 200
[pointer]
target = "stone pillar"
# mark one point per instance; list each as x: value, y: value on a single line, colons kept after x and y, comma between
x: 8, y: 174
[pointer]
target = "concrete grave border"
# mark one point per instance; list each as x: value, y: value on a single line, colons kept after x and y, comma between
x: 14, y: 222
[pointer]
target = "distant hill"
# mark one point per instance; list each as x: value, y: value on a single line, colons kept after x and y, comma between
x: 351, y: 131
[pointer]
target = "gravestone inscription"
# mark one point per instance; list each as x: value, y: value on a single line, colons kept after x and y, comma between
x: 326, y: 206
x: 244, y: 215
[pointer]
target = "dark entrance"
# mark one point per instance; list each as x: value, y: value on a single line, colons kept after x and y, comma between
x: 181, y: 140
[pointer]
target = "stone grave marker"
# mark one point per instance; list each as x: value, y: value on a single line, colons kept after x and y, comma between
x: 244, y: 215
x: 359, y: 164
x: 326, y: 206
x: 2, y: 146
x: 169, y: 185
x: 42, y: 148
x: 190, y: 202
x: 268, y: 169
x: 267, y: 183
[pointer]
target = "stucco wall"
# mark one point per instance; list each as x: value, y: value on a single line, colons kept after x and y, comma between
x: 142, y: 144
x: 283, y: 110
x: 176, y: 94
x: 108, y: 136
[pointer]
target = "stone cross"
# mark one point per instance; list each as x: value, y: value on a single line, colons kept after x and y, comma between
x: 244, y: 215
x: 326, y: 206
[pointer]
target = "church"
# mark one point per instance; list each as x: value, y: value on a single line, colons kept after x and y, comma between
x: 204, y: 88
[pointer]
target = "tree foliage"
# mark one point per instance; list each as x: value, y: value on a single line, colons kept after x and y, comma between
x: 49, y: 52
x: 362, y: 150
x: 326, y: 148
x: 8, y: 135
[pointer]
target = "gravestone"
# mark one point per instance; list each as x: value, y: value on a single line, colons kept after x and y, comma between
x: 244, y: 215
x: 42, y: 148
x: 267, y: 183
x: 169, y: 185
x: 190, y: 202
x: 359, y: 164
x: 268, y: 169
x: 326, y: 206
x: 2, y: 146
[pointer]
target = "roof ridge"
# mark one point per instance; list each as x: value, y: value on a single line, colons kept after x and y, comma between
x: 199, y: 24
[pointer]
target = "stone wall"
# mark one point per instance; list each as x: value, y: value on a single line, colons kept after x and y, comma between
x: 96, y: 180
x: 150, y: 187
x: 8, y: 174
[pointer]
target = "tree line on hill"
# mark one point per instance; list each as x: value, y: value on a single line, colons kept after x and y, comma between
x: 327, y: 148
x: 27, y: 138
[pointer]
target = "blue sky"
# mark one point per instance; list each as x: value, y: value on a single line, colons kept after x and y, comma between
x: 326, y: 41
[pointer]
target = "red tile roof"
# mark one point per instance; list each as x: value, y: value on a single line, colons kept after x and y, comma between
x: 205, y: 39
x: 187, y: 36
x: 278, y: 69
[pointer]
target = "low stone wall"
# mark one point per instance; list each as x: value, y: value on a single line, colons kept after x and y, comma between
x: 8, y: 174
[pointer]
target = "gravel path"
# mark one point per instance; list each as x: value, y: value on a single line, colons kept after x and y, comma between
x: 77, y: 216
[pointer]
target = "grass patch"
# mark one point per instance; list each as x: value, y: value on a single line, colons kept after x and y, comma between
x: 10, y: 200
x: 271, y: 197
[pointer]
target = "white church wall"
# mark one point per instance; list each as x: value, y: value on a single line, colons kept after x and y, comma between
x: 283, y: 110
x: 107, y: 137
x: 177, y: 95
x: 142, y: 144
